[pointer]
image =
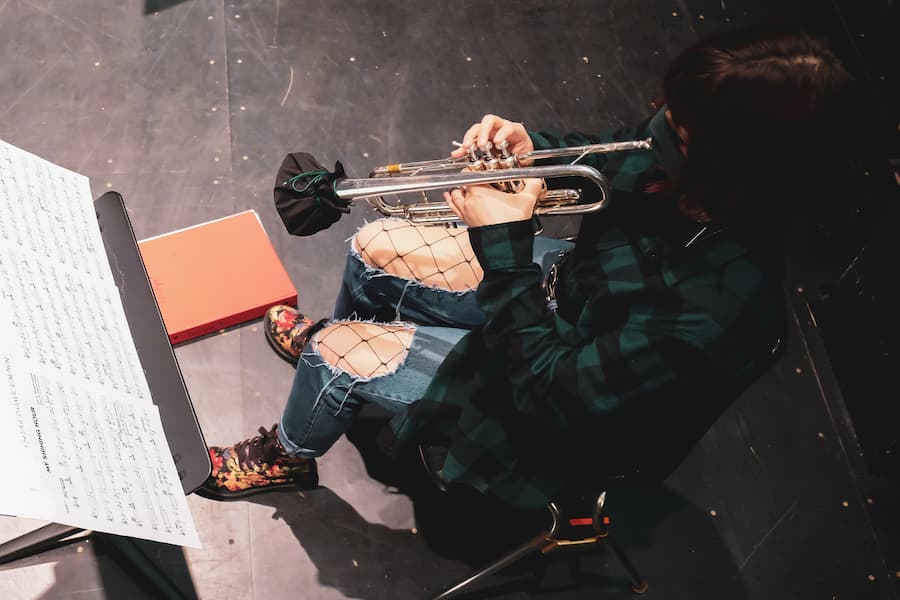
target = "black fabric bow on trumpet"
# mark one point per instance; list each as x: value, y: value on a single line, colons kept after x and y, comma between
x: 305, y: 195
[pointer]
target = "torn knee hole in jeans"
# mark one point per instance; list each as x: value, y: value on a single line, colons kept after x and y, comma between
x: 358, y: 351
x: 363, y: 349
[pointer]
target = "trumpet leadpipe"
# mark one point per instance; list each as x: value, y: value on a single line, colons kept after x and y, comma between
x: 466, y: 161
x: 580, y: 151
x: 422, y: 165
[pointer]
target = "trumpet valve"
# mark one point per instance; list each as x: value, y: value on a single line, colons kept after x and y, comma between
x: 475, y: 162
x: 506, y: 160
x: 490, y: 158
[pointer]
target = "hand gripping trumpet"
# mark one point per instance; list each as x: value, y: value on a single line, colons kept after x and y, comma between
x: 493, y: 165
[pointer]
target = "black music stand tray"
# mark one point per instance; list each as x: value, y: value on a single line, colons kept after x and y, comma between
x: 166, y: 388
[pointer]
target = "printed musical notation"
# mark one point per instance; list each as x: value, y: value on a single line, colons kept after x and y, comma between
x: 76, y: 416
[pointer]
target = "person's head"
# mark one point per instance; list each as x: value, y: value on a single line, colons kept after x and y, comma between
x: 755, y: 109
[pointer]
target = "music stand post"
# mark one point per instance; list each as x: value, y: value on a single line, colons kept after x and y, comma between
x: 167, y: 389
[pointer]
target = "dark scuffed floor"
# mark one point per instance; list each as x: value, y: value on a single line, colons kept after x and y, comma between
x: 187, y: 108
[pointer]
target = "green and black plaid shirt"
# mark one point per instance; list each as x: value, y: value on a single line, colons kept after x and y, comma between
x: 659, y: 327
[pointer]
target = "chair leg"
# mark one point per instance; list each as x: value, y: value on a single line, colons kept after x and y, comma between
x: 638, y: 584
x: 522, y: 551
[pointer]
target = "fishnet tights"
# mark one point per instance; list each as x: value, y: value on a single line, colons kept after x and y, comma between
x: 364, y: 349
x: 434, y: 255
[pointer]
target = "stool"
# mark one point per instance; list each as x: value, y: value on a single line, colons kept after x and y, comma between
x: 579, y: 523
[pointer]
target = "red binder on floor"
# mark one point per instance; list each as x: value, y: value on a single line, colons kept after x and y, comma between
x: 215, y: 275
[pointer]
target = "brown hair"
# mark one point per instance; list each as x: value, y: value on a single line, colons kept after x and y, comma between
x: 758, y: 105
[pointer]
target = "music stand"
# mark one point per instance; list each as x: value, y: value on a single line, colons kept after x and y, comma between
x: 167, y: 389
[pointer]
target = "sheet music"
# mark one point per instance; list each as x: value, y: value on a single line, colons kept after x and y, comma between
x: 76, y: 417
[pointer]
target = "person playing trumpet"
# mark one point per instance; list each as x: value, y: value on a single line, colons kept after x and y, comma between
x: 536, y: 361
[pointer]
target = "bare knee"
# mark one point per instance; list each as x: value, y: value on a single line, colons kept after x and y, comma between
x: 364, y: 349
x: 364, y: 241
x: 381, y: 242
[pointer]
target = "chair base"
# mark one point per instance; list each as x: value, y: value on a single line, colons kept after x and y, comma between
x: 572, y: 534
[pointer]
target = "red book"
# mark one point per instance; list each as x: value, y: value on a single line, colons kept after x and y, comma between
x: 215, y: 275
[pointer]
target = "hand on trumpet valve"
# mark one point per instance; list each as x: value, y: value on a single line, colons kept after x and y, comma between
x: 495, y: 130
x: 480, y: 205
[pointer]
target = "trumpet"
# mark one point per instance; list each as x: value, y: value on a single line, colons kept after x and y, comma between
x: 490, y: 165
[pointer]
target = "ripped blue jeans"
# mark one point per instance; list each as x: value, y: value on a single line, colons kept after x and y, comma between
x: 324, y: 400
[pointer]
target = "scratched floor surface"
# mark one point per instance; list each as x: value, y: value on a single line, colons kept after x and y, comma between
x: 187, y: 107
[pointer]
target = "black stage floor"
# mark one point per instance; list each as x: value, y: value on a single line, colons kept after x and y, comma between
x: 187, y: 108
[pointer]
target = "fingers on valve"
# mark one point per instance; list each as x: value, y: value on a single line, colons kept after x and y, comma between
x: 471, y: 135
x: 492, y: 129
x: 489, y: 123
x: 506, y: 130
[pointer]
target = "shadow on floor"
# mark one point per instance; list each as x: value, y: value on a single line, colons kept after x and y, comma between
x: 152, y: 6
x: 114, y: 567
x: 671, y: 541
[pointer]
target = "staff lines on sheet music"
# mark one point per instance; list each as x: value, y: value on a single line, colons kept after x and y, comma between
x: 76, y: 409
x: 77, y: 331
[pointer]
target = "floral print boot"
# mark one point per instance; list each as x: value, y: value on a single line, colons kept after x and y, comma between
x: 288, y: 331
x: 256, y: 465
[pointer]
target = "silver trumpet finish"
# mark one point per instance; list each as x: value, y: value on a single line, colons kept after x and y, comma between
x: 493, y: 166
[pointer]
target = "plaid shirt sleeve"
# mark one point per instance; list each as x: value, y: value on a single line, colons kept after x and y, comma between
x: 555, y: 376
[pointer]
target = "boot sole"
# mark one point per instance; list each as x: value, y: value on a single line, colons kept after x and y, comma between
x: 228, y: 495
